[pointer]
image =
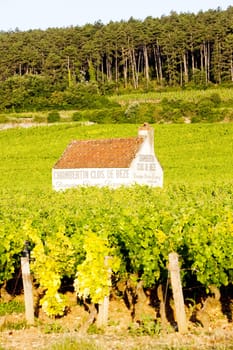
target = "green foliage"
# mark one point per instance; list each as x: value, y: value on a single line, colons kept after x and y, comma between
x: 53, y: 259
x: 40, y: 118
x: 11, y: 307
x: 54, y: 327
x: 93, y: 329
x: 208, y: 256
x: 53, y: 117
x: 227, y: 114
x: 81, y: 116
x: 215, y: 98
x: 147, y: 326
x: 74, y: 344
x: 91, y: 72
x: 81, y: 96
x: 177, y: 105
x: 19, y: 93
x: 100, y: 116
x: 131, y: 112
x: 176, y: 110
x: 168, y: 106
x: 16, y: 326
x: 44, y: 76
x: 136, y: 113
x: 199, y: 79
x: 10, y: 249
x: 139, y: 232
x: 3, y: 118
x: 93, y: 277
x: 138, y: 226
x: 204, y: 109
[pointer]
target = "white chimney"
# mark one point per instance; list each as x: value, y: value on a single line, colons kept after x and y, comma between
x: 147, y: 132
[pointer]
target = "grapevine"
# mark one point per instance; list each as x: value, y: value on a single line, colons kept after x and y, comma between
x: 93, y: 278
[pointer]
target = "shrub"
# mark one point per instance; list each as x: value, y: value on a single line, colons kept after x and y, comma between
x: 204, y: 109
x: 141, y: 112
x: 3, y: 119
x: 215, y: 99
x: 85, y: 96
x: 101, y: 116
x: 80, y: 116
x: 39, y: 118
x: 176, y: 110
x: 132, y: 112
x: 53, y: 117
x: 227, y: 114
x: 196, y: 119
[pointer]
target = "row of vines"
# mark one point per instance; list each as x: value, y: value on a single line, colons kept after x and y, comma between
x: 71, y: 233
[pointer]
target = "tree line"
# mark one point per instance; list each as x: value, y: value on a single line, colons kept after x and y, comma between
x: 41, y: 68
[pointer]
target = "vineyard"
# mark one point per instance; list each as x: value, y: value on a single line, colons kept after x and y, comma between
x: 71, y: 233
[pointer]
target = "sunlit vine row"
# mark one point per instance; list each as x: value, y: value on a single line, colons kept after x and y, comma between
x: 138, y: 227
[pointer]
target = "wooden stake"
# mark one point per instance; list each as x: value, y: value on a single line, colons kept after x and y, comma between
x: 177, y: 292
x: 102, y: 319
x: 28, y: 294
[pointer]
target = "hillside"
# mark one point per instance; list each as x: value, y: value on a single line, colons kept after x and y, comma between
x: 70, y: 233
x: 59, y: 67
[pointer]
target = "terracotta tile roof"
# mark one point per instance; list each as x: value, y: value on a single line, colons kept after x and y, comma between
x: 109, y: 153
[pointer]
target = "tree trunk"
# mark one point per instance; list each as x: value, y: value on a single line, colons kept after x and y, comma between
x: 206, y: 61
x: 156, y: 65
x: 102, y: 70
x: 133, y: 68
x: 231, y: 67
x: 116, y: 68
x: 146, y: 65
x: 108, y: 68
x: 186, y: 78
x: 181, y: 74
x: 159, y: 64
x: 202, y: 59
x: 125, y: 67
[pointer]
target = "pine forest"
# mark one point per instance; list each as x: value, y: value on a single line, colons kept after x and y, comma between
x: 54, y: 67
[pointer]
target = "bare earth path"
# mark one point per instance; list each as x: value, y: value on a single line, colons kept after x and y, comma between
x: 33, y: 338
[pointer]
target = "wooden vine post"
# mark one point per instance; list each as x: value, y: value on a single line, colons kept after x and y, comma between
x: 177, y: 292
x: 27, y: 287
x: 102, y: 319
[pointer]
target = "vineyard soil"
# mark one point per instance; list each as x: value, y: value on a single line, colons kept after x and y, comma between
x: 48, y: 333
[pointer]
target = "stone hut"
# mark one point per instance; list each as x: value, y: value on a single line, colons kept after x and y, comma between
x: 109, y: 162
